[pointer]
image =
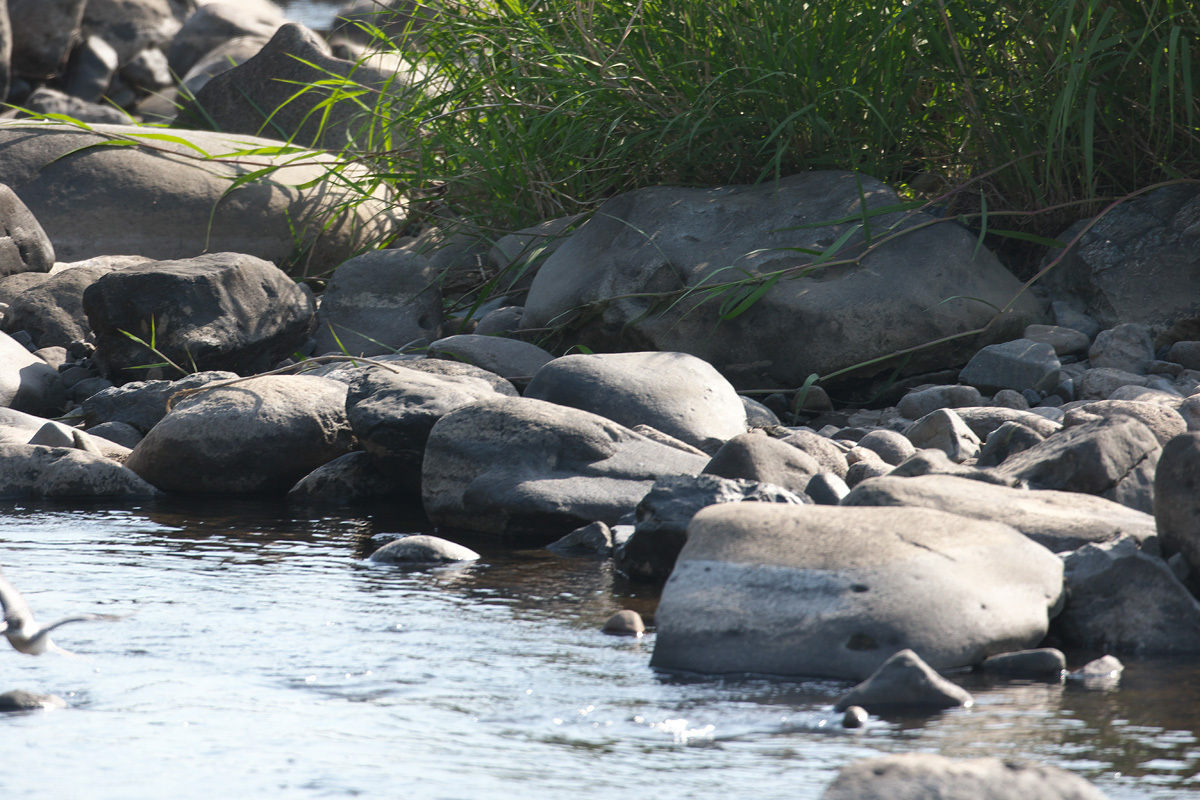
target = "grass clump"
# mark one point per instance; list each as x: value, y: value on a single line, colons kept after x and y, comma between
x: 541, y: 108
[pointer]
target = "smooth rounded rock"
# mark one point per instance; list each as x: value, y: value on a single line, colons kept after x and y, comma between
x: 422, y: 549
x: 20, y: 700
x: 1177, y: 498
x: 625, y: 623
x: 756, y: 457
x: 906, y: 682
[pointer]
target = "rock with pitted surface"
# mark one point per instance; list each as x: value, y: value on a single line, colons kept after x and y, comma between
x: 524, y: 468
x: 834, y: 592
x: 924, y: 776
x: 222, y: 311
x: 608, y: 281
x: 1061, y: 521
x: 258, y: 436
x: 676, y: 393
x: 393, y: 410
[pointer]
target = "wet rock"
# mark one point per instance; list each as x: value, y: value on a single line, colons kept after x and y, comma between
x: 664, y: 513
x: 1060, y: 521
x: 348, y: 479
x: 223, y: 311
x: 161, y: 202
x: 20, y: 700
x: 378, y: 302
x: 1126, y: 347
x: 855, y: 717
x: 393, y: 410
x: 1009, y: 438
x: 1045, y: 663
x: 891, y: 446
x: 831, y: 457
x: 920, y: 402
x: 259, y: 436
x: 676, y: 393
x: 1065, y: 341
x: 625, y: 623
x: 699, y: 232
x: 422, y: 549
x: 905, y: 682
x: 923, y: 776
x: 596, y: 538
x: 1101, y: 673
x: 944, y: 430
x: 519, y: 467
x: 1122, y: 599
x: 1020, y: 364
x: 1090, y: 458
x: 36, y: 471
x: 511, y: 358
x: 755, y: 457
x: 142, y: 404
x: 24, y: 246
x: 826, y: 488
x: 833, y: 592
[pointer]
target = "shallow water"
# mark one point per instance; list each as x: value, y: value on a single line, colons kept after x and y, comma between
x: 260, y: 656
x: 316, y: 14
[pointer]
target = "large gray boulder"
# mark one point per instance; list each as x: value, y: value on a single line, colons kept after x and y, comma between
x: 378, y: 302
x: 1093, y: 457
x: 258, y: 436
x: 262, y: 96
x: 29, y: 470
x: 1060, y: 521
x: 619, y: 281
x: 222, y: 311
x: 1139, y: 263
x: 1120, y: 599
x: 519, y: 467
x: 24, y: 246
x: 925, y: 776
x: 677, y: 393
x: 43, y: 32
x: 164, y: 200
x: 833, y: 592
x: 392, y: 410
x: 1177, y: 498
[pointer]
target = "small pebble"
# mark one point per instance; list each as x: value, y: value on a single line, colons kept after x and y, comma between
x: 855, y: 717
x: 625, y: 623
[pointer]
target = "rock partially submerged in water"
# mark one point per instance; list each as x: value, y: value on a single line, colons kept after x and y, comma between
x: 904, y: 683
x: 423, y: 549
x: 922, y: 776
x: 525, y: 468
x: 833, y: 592
x: 21, y: 700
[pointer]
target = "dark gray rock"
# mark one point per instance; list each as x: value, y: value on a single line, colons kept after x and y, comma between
x: 20, y: 700
x: 758, y: 415
x: 1177, y: 498
x: 524, y: 468
x: 421, y: 549
x: 924, y: 776
x: 519, y: 256
x: 91, y: 69
x: 1009, y: 438
x: 1067, y: 316
x: 1060, y: 521
x: 258, y: 436
x: 121, y: 433
x: 664, y: 513
x: 826, y: 488
x: 1045, y: 663
x: 594, y: 539
x: 131, y: 26
x: 43, y: 32
x: 142, y: 404
x: 378, y: 302
x: 904, y: 682
x: 833, y: 592
x: 37, y: 471
x: 1090, y: 458
x: 919, y: 402
x: 1122, y: 599
x: 147, y: 71
x: 1065, y: 341
x: 676, y: 393
x: 625, y: 623
x: 1020, y: 364
x: 213, y: 24
x: 845, y: 314
x: 1186, y: 354
x: 162, y: 202
x: 757, y: 457
x: 504, y: 321
x: 219, y: 60
x: 24, y: 246
x: 52, y: 312
x: 348, y: 479
x: 393, y: 410
x: 224, y: 311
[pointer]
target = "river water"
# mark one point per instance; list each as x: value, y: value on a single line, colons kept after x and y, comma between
x: 260, y: 656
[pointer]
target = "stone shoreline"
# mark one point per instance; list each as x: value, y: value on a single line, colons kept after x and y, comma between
x: 1031, y: 487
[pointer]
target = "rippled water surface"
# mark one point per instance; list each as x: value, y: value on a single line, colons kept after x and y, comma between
x: 316, y: 14
x: 260, y: 656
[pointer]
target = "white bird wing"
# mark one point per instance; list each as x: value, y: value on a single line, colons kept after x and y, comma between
x: 77, y: 618
x: 11, y: 601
